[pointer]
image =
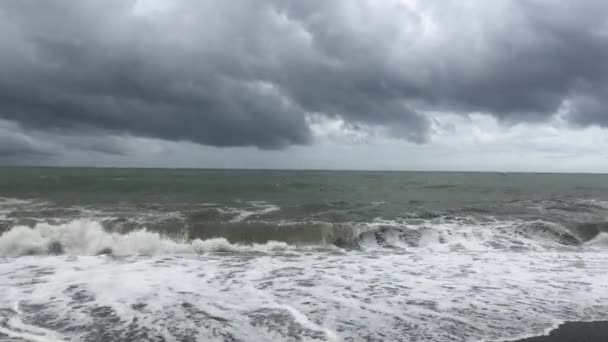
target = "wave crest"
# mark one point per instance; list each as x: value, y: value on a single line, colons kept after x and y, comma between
x: 85, y: 237
x: 88, y: 237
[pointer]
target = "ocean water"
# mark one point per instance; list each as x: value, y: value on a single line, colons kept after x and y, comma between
x: 216, y: 255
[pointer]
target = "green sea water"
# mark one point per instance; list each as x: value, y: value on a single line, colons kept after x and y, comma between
x: 403, y: 191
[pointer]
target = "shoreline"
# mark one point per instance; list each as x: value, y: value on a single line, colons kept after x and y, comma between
x: 574, y: 332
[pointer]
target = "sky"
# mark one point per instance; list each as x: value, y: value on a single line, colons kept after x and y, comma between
x: 463, y: 85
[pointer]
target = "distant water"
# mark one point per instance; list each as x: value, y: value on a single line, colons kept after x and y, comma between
x: 215, y: 255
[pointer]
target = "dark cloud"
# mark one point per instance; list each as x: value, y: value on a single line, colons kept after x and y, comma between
x: 244, y: 73
x: 11, y: 147
x: 16, y: 144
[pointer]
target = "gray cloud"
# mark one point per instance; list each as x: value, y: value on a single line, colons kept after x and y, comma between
x: 16, y: 144
x: 38, y: 147
x: 248, y: 73
x: 11, y: 146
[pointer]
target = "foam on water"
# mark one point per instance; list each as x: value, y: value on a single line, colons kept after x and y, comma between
x: 445, y: 234
x: 252, y: 208
x: 85, y: 237
x: 8, y: 205
x: 14, y: 327
x: 437, y: 279
x: 88, y: 237
x: 595, y: 202
x: 601, y: 240
x: 321, y: 296
x: 7, y: 201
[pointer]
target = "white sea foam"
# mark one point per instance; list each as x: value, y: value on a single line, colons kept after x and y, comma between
x: 601, y: 240
x: 460, y: 233
x: 437, y: 297
x: 15, y: 328
x: 8, y: 205
x: 85, y: 237
x: 88, y: 237
x: 7, y: 201
x: 454, y: 286
x: 595, y: 202
x: 251, y: 209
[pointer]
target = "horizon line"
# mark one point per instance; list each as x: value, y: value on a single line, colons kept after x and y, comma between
x: 290, y: 169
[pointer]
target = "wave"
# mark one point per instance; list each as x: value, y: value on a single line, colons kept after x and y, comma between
x: 600, y: 240
x: 254, y: 208
x: 84, y: 237
x: 451, y: 235
x: 89, y: 237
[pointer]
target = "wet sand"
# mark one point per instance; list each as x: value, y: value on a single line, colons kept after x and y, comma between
x: 575, y: 332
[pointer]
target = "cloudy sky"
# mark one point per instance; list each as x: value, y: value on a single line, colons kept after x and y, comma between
x: 505, y: 85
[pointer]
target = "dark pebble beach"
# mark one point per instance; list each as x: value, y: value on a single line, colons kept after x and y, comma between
x: 575, y: 332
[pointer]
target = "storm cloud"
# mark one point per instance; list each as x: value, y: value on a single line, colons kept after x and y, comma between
x: 254, y: 73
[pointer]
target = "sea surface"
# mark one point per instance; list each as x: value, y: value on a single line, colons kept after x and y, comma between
x: 229, y: 255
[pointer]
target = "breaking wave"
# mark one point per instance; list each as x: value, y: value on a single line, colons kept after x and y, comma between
x: 83, y: 237
x: 89, y: 237
x: 600, y: 240
x: 454, y: 235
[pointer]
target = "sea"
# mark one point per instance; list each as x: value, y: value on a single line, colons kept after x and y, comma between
x: 267, y: 255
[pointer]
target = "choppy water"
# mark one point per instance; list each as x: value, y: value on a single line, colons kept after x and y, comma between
x: 191, y: 255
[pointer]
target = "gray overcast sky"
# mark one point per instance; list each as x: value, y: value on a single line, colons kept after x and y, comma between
x: 358, y: 84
